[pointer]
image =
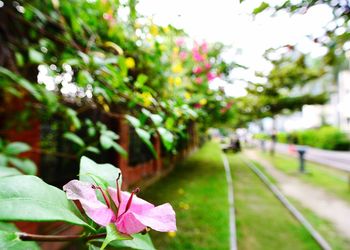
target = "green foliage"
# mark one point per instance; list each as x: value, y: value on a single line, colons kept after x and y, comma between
x: 10, y: 161
x: 261, y: 136
x: 9, y: 240
x: 28, y: 198
x: 263, y: 6
x: 107, y: 58
x: 325, y: 137
x: 104, y: 174
x: 283, y: 137
x: 139, y: 241
x: 113, y: 235
x: 287, y: 86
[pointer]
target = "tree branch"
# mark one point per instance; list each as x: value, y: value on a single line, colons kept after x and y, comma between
x: 40, y: 237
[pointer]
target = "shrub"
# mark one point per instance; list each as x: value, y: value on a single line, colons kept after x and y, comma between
x: 326, y: 138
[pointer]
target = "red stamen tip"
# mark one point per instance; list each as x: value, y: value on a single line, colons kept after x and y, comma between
x: 136, y: 190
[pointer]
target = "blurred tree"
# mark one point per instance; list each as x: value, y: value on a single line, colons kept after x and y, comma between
x: 288, y: 86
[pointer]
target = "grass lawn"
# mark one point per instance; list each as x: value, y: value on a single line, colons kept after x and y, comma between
x: 332, y: 180
x: 324, y: 227
x: 262, y: 222
x: 197, y: 190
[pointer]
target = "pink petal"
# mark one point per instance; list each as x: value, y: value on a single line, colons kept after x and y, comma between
x: 96, y: 210
x: 128, y: 224
x: 211, y: 76
x: 138, y: 205
x: 161, y: 218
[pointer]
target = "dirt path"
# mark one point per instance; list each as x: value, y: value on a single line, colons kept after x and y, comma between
x: 316, y: 199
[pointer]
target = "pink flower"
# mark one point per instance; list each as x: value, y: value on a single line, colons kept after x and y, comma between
x: 183, y: 55
x: 180, y: 41
x: 197, y: 56
x: 197, y: 70
x: 204, y: 47
x: 211, y: 76
x: 207, y: 65
x: 130, y: 214
x: 198, y: 80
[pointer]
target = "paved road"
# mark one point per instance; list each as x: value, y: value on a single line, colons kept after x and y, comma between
x: 335, y: 159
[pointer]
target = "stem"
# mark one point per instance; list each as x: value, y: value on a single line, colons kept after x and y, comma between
x: 40, y: 237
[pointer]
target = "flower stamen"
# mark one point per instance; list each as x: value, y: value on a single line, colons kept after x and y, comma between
x: 118, y: 190
x: 136, y: 190
x: 103, y: 194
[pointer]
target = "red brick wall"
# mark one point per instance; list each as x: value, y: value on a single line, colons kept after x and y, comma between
x: 134, y: 174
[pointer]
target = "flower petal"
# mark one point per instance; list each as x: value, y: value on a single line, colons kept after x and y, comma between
x: 96, y: 210
x: 161, y: 218
x: 138, y: 205
x: 128, y: 224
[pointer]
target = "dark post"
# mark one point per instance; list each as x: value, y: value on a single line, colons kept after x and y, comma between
x: 301, y: 152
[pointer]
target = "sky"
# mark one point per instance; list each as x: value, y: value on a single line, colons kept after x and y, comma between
x: 230, y: 22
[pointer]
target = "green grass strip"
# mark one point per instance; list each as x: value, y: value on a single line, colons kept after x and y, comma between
x: 262, y: 221
x: 197, y: 189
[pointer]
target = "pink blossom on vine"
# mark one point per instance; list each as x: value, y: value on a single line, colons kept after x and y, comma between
x: 180, y: 41
x: 197, y: 56
x: 132, y: 214
x: 198, y: 80
x: 211, y: 76
x: 197, y: 70
x: 183, y: 55
x: 204, y: 47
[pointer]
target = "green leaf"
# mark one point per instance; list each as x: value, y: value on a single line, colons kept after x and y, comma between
x: 10, y: 240
x: 22, y: 82
x: 110, y: 134
x: 139, y: 241
x: 140, y: 81
x: 156, y: 119
x: 106, y: 172
x: 106, y: 141
x: 74, y: 138
x: 133, y: 121
x: 28, y: 198
x: 91, y: 131
x: 7, y: 171
x: 112, y: 235
x: 25, y: 165
x: 84, y: 78
x: 35, y: 56
x: 16, y: 148
x: 72, y: 115
x: 3, y: 160
x: 122, y: 66
x: 167, y: 138
x: 19, y: 59
x: 93, y: 149
x: 119, y: 149
x: 169, y: 123
x: 261, y: 8
x: 146, y: 138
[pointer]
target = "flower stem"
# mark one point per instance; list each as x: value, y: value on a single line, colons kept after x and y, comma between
x: 40, y: 237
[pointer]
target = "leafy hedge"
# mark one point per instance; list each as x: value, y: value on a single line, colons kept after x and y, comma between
x: 325, y: 137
